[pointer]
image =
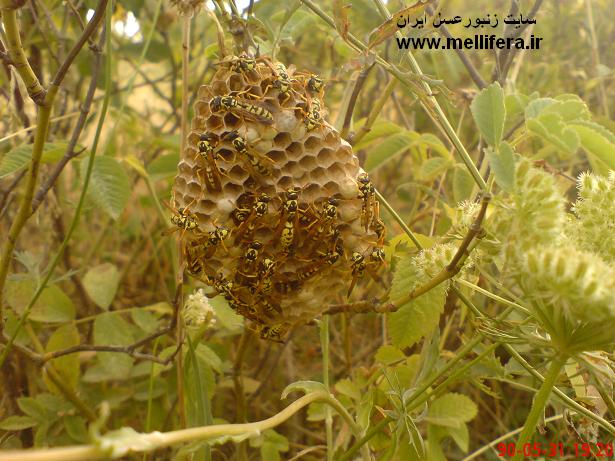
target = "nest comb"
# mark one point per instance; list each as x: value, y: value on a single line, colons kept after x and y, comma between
x: 276, y: 214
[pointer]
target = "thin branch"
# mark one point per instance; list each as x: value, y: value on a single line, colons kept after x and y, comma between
x: 16, y: 51
x: 146, y: 442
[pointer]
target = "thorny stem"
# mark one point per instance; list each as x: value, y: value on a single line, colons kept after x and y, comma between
x: 145, y: 442
x: 538, y: 405
x: 35, y: 90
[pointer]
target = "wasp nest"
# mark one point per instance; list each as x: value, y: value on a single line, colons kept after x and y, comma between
x: 277, y: 215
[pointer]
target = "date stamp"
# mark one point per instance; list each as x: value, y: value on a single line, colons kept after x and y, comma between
x: 556, y: 450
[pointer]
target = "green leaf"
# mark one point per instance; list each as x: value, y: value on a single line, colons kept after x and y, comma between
x: 112, y: 330
x: 20, y: 156
x: 271, y: 445
x: 388, y: 149
x: 388, y: 355
x: 452, y: 410
x: 33, y: 408
x: 109, y: 186
x: 551, y: 128
x: 307, y: 387
x: 502, y: 164
x: 380, y: 129
x: 461, y: 436
x: 226, y: 315
x: 52, y: 306
x: 597, y: 141
x: 17, y: 423
x: 417, y: 318
x: 348, y: 388
x: 100, y: 283
x: 76, y: 428
x: 163, y: 167
x: 462, y: 183
x: 208, y: 356
x: 489, y: 113
x: 433, y: 167
x: 568, y: 107
x: 68, y: 365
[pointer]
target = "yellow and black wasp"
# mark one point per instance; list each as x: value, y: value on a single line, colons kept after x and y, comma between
x: 228, y: 103
x: 315, y: 84
x: 377, y: 225
x: 183, y: 220
x: 288, y: 220
x: 250, y: 257
x: 265, y: 274
x: 243, y: 63
x: 206, y: 148
x: 368, y: 194
x: 272, y: 332
x: 255, y: 163
x: 358, y: 266
x: 314, y: 268
x: 250, y: 219
x: 281, y: 81
x: 323, y: 226
x: 313, y: 118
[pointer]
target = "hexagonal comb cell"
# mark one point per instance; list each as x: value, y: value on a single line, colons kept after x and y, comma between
x: 270, y: 177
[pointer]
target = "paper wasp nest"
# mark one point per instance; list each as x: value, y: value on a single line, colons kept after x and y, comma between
x: 276, y: 214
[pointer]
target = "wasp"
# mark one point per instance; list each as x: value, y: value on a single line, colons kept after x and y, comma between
x: 229, y: 103
x: 265, y: 273
x: 251, y: 255
x: 248, y: 221
x: 273, y: 332
x: 323, y: 225
x: 377, y: 225
x: 182, y: 219
x: 212, y: 172
x: 310, y: 270
x: 240, y: 146
x: 270, y: 309
x: 287, y: 225
x: 367, y: 194
x: 242, y: 63
x: 287, y: 286
x: 217, y: 237
x: 225, y: 288
x: 315, y: 84
x: 357, y: 266
x: 282, y: 81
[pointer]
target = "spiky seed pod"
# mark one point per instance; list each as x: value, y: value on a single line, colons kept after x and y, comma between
x: 262, y: 163
x: 533, y: 216
x: 581, y: 282
x: 594, y: 230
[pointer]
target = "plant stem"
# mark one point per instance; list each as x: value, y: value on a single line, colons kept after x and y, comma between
x: 539, y: 404
x: 324, y: 344
x: 140, y: 442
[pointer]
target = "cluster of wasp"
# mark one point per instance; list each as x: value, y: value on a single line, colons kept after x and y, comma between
x: 273, y: 229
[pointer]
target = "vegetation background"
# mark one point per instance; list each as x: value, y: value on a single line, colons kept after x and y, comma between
x: 521, y: 337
